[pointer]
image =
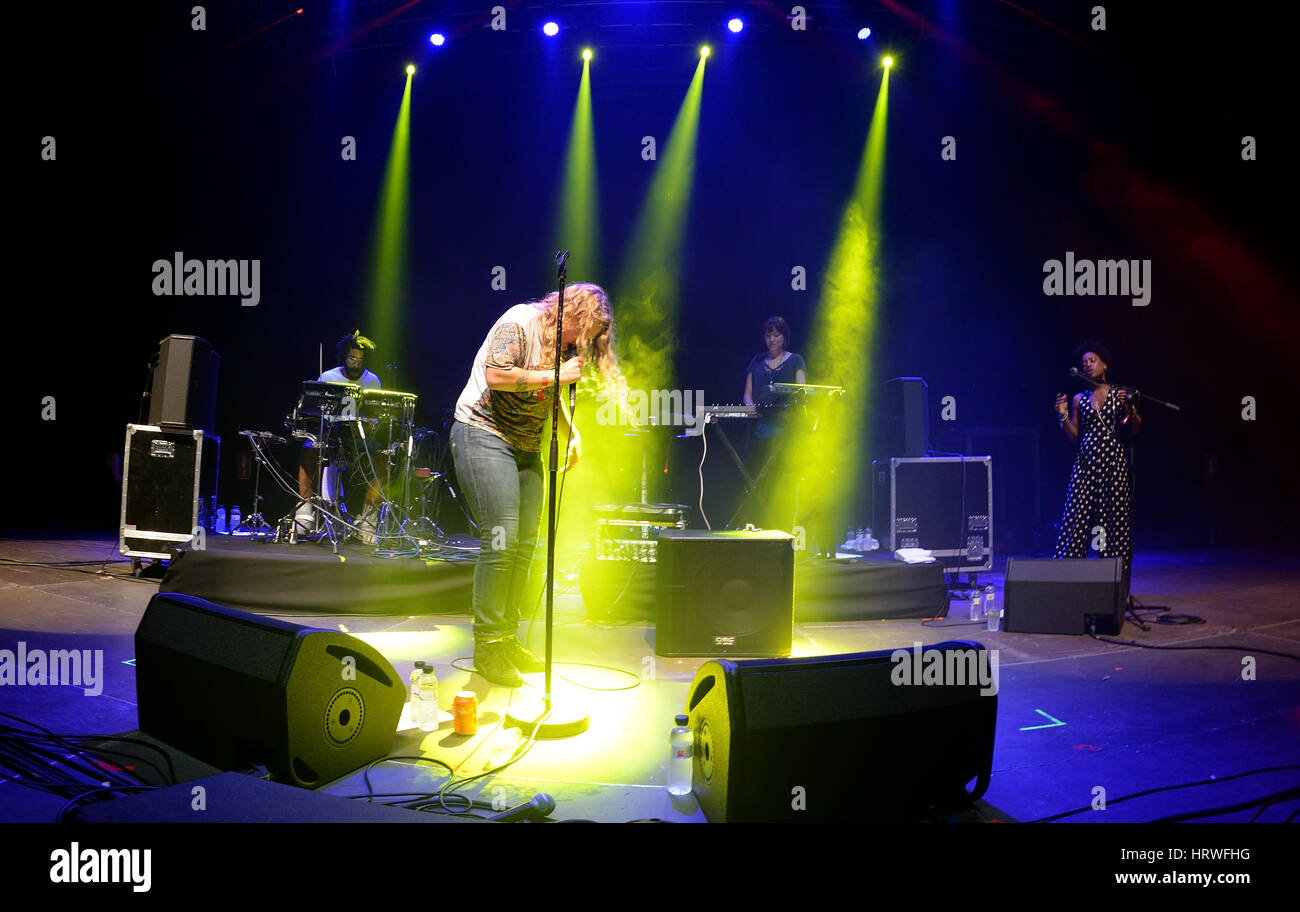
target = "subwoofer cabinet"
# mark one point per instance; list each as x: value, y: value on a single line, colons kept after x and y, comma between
x: 724, y: 593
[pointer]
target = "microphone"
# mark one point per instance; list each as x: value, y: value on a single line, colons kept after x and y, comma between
x: 540, y: 807
x: 561, y: 257
x: 1080, y: 375
x: 570, y: 353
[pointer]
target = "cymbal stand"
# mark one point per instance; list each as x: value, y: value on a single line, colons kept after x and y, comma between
x: 254, y: 525
x: 437, y: 486
x: 325, y: 509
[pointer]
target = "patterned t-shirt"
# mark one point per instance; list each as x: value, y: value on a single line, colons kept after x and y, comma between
x: 515, y: 340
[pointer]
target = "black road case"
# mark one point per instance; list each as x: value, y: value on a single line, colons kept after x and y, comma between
x: 943, y: 504
x: 169, y: 484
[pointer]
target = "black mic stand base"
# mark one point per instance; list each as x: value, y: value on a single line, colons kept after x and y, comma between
x: 1131, y: 615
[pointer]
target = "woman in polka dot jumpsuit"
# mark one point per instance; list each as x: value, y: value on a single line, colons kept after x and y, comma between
x: 1098, y: 503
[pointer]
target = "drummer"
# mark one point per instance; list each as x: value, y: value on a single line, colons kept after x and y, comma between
x: 351, y: 353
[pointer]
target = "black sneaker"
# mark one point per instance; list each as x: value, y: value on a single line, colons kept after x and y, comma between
x: 492, y: 661
x: 523, y: 658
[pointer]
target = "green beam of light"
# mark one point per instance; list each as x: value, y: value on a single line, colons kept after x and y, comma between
x: 386, y: 284
x: 579, y: 228
x: 645, y: 307
x: 824, y: 472
x: 649, y: 284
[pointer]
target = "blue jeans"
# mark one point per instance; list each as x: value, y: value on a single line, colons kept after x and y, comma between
x: 504, y: 488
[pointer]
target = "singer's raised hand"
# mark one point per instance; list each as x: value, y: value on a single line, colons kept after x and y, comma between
x: 1062, y: 404
x: 571, y: 370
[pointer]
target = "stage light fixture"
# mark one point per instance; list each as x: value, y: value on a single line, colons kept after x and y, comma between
x: 735, y: 25
x: 864, y: 34
x: 551, y: 29
x: 888, y: 61
x: 586, y: 53
x: 437, y: 39
x: 704, y: 51
x: 410, y: 69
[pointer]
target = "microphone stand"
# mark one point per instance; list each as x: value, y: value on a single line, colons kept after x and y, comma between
x: 528, y: 714
x: 1134, y: 396
x: 562, y: 277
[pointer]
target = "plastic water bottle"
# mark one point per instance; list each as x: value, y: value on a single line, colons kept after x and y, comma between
x: 222, y: 528
x: 414, y: 691
x: 427, y: 709
x: 234, y: 518
x: 849, y: 538
x: 975, y: 607
x: 989, y: 606
x: 681, y: 749
x: 870, y: 544
x: 995, y: 621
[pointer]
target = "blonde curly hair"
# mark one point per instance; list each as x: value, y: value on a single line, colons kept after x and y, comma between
x: 589, y: 305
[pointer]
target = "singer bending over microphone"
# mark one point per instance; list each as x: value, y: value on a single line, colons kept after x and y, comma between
x: 1100, y: 491
x: 496, y: 443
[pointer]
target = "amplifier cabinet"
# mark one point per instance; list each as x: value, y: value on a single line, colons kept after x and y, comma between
x: 169, y: 483
x: 943, y: 504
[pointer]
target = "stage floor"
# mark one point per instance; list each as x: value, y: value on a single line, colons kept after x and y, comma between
x: 1074, y: 714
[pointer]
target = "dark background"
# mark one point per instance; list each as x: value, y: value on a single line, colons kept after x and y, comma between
x: 1117, y: 144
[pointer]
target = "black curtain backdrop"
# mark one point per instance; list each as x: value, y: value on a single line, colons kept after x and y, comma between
x: 225, y: 143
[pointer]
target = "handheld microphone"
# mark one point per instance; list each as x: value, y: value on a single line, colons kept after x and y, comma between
x: 570, y: 353
x: 539, y: 808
